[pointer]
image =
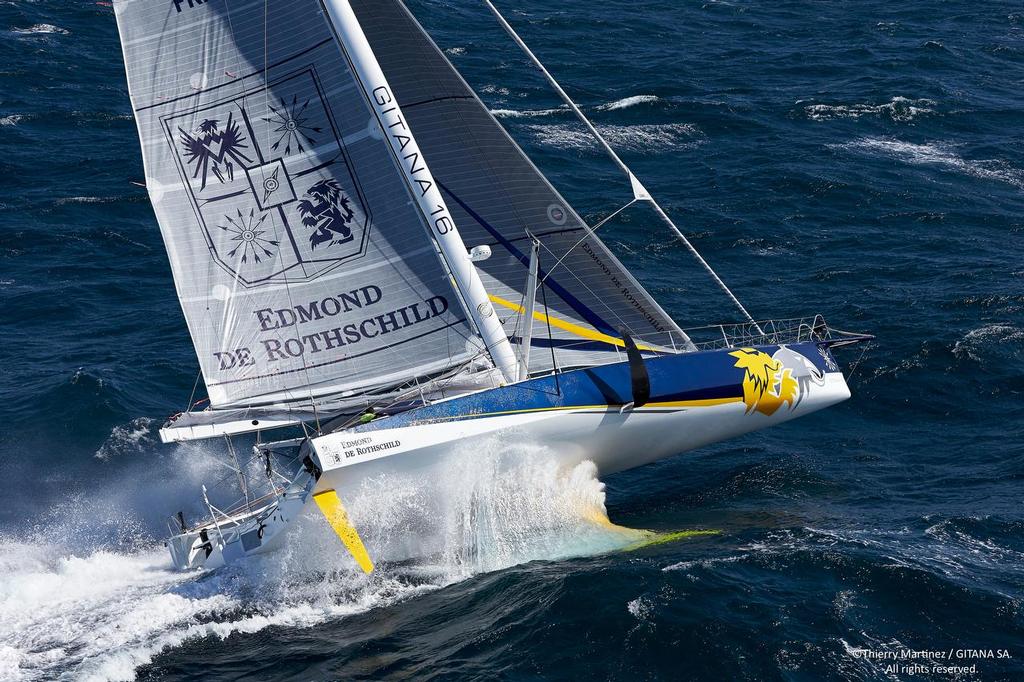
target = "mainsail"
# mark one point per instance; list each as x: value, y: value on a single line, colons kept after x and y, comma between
x: 303, y: 266
x: 499, y: 198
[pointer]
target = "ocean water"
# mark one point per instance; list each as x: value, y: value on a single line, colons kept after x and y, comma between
x: 860, y: 160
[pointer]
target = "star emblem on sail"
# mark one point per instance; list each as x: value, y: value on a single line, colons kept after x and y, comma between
x: 292, y: 123
x: 252, y: 241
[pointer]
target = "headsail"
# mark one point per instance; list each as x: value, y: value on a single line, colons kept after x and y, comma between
x: 302, y: 264
x: 499, y: 198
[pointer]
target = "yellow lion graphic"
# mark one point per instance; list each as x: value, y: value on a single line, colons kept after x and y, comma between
x: 767, y: 385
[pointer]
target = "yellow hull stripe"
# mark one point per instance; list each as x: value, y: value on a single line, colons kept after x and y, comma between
x: 707, y: 402
x: 336, y: 515
x: 582, y: 332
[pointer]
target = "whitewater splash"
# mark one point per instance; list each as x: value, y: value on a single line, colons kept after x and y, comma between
x: 132, y: 437
x: 68, y: 612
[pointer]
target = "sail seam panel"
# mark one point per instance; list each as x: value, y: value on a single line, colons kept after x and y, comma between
x: 236, y: 80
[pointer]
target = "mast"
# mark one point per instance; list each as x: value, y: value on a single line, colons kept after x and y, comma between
x: 421, y: 184
x: 531, y: 301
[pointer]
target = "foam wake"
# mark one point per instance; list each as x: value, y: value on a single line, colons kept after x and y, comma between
x: 74, y: 613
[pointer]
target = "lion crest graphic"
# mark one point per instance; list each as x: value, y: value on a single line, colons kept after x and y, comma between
x: 327, y: 210
x: 767, y: 383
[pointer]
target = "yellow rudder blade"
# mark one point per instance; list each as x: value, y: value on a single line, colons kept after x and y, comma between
x: 643, y: 538
x: 336, y: 515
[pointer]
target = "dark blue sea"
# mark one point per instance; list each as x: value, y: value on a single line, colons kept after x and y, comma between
x: 862, y: 160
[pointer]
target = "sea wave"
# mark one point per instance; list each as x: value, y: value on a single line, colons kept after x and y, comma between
x: 636, y: 138
x: 11, y: 120
x: 41, y: 29
x: 87, y: 200
x: 528, y: 113
x: 899, y: 109
x: 492, y: 89
x: 627, y: 102
x: 938, y: 154
x: 619, y: 104
x: 977, y: 344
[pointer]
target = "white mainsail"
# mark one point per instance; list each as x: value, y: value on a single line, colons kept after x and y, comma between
x: 303, y: 265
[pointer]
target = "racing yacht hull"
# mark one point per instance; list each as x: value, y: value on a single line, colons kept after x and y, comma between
x: 600, y: 414
x: 588, y: 414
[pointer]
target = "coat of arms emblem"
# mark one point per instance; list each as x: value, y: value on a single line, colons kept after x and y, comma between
x: 271, y: 182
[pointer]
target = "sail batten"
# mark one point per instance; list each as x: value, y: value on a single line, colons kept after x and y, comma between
x: 300, y: 260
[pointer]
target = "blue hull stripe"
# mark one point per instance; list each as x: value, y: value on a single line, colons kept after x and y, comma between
x: 710, y: 376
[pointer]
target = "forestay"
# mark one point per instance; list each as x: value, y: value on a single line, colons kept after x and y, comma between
x: 302, y: 265
x: 498, y: 197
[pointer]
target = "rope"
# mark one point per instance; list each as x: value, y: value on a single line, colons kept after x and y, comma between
x: 856, y: 364
x: 192, y: 397
x: 588, y: 233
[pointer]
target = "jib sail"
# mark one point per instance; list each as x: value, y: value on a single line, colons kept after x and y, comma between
x: 499, y: 198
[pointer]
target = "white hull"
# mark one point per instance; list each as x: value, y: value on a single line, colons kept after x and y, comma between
x: 695, y: 403
x: 613, y: 440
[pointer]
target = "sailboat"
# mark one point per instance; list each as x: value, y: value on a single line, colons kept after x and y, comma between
x: 362, y: 252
